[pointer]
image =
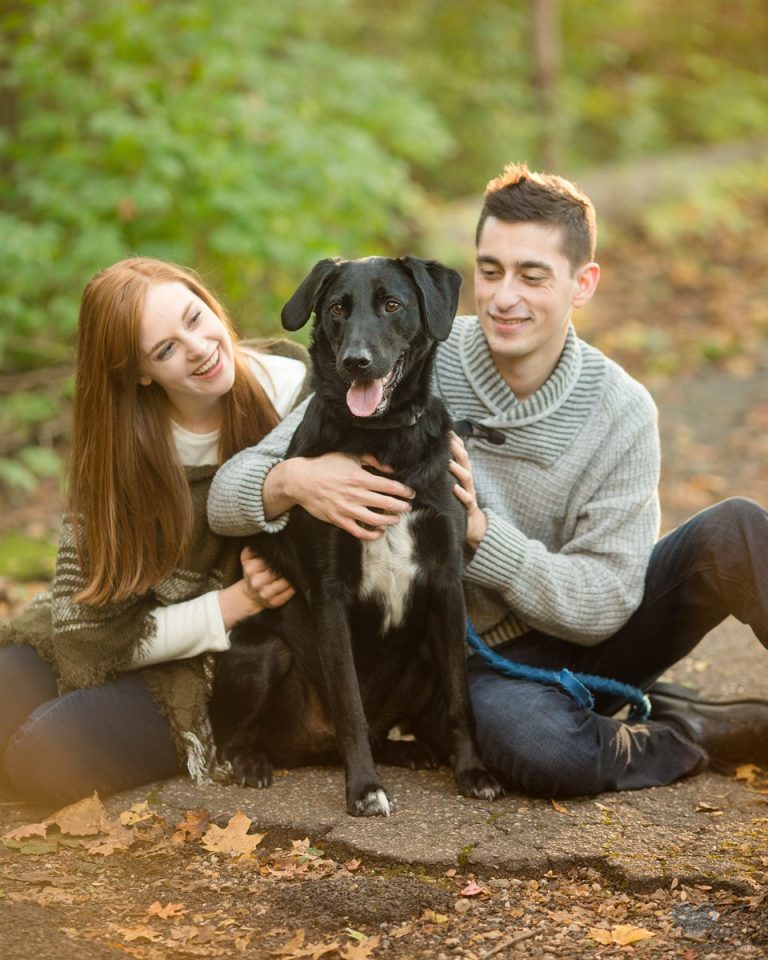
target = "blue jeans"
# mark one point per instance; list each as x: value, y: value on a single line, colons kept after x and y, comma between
x: 57, y: 749
x: 541, y: 742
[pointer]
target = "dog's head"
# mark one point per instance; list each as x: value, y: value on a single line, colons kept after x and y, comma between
x: 377, y: 320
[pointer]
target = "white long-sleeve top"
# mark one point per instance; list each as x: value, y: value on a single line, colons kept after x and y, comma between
x: 196, y: 626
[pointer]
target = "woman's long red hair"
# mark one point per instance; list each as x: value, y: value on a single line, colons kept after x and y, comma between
x: 128, y: 494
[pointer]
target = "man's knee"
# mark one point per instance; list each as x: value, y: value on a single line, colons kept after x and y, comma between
x: 536, y: 741
x: 735, y: 515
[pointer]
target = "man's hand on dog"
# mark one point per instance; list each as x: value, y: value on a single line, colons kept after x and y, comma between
x: 337, y: 488
x: 461, y: 468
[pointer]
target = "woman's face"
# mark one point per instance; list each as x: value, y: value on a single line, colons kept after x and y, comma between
x: 186, y: 349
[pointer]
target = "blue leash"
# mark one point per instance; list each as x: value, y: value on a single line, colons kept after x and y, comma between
x: 580, y: 686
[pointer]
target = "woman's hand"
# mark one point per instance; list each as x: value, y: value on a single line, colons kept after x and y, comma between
x: 260, y: 589
x: 262, y: 584
x: 464, y: 490
x: 337, y: 489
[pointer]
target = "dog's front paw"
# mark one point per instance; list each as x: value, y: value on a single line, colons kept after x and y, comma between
x: 250, y: 769
x: 370, y: 802
x: 478, y: 782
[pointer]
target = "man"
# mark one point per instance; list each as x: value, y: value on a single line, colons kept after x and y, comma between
x: 562, y: 567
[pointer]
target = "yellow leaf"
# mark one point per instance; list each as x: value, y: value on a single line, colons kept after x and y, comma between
x: 626, y: 934
x: 561, y: 809
x: 431, y: 917
x: 747, y: 771
x: 234, y: 838
x: 600, y: 935
x: 82, y: 819
x: 135, y: 814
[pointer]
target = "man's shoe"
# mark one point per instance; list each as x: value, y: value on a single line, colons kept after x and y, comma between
x: 731, y: 731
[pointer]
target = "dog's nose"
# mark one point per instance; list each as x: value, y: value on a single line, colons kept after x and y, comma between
x: 357, y: 361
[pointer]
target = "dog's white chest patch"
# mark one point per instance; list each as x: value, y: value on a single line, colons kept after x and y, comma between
x: 389, y: 571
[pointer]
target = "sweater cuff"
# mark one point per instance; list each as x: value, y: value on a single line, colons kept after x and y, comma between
x: 499, y: 556
x: 251, y: 502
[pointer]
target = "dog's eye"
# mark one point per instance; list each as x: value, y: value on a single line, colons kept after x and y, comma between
x: 391, y: 306
x: 336, y: 310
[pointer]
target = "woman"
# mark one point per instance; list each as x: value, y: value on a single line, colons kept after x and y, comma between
x: 104, y: 679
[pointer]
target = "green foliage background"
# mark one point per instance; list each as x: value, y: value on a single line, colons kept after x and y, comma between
x: 247, y: 138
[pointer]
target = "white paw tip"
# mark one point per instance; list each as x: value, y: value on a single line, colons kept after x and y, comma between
x: 373, y: 804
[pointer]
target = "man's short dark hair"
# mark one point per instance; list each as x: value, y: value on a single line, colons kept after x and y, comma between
x: 518, y: 196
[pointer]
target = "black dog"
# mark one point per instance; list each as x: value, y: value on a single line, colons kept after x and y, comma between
x: 375, y: 636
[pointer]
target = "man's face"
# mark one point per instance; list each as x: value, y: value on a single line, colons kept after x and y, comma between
x: 524, y: 293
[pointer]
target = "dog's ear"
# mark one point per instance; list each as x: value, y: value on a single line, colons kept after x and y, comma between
x: 438, y: 288
x: 299, y: 308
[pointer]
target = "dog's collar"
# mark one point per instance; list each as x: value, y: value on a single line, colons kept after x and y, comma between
x: 407, y: 419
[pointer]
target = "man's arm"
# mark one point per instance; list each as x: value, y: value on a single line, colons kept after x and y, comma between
x: 585, y: 590
x: 255, y: 489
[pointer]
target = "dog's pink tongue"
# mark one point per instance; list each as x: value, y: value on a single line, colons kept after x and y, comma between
x: 364, y: 396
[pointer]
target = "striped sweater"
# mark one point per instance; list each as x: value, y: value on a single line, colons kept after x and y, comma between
x: 571, y: 496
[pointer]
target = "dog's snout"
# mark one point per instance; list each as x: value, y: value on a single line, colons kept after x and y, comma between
x: 357, y: 361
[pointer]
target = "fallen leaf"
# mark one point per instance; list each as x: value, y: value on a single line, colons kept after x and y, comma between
x: 622, y: 935
x: 135, y: 814
x: 626, y: 934
x: 136, y: 933
x: 290, y: 947
x: 747, y: 771
x: 472, y: 889
x: 429, y: 916
x: 192, y: 827
x: 561, y: 809
x: 82, y: 819
x: 234, y: 838
x: 703, y: 807
x: 156, y: 909
x: 362, y: 950
x: 600, y: 935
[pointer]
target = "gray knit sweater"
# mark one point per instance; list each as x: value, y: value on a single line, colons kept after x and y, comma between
x: 571, y: 496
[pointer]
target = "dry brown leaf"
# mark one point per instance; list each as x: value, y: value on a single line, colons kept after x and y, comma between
x: 192, y: 827
x: 184, y: 934
x: 135, y: 814
x: 472, y: 889
x: 600, y: 935
x: 234, y: 838
x: 87, y: 821
x: 362, y: 950
x: 136, y: 933
x: 561, y: 809
x: 290, y: 947
x: 84, y: 818
x: 156, y: 909
x: 27, y: 830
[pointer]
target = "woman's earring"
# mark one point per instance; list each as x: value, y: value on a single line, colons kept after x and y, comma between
x: 144, y: 380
